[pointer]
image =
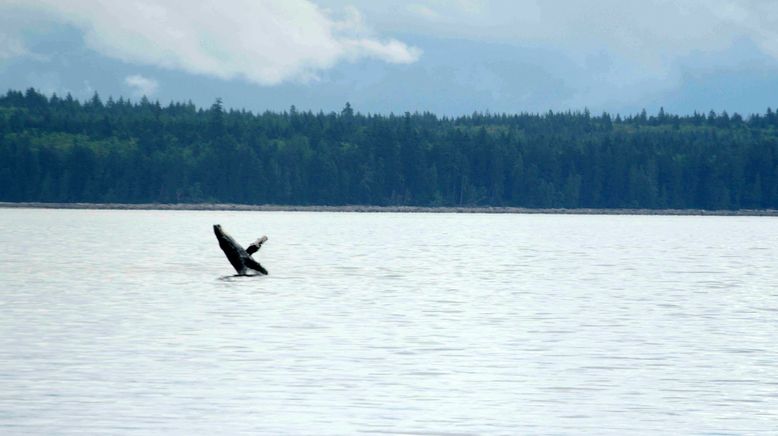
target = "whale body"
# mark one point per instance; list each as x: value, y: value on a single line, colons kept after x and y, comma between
x: 239, y: 257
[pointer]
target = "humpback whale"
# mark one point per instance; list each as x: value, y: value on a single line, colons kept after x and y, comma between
x: 239, y: 257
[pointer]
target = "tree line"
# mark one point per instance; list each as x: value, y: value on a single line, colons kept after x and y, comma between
x: 60, y: 149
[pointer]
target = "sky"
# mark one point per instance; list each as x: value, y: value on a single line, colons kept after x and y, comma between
x: 450, y: 57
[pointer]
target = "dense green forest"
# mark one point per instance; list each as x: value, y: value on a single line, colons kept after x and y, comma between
x: 55, y: 149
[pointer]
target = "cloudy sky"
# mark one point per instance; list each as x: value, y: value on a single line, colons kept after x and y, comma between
x: 446, y: 56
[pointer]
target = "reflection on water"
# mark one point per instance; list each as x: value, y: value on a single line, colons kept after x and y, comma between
x: 237, y: 277
x: 128, y: 321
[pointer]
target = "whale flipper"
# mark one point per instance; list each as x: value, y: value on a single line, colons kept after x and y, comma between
x: 239, y: 258
x: 256, y: 245
x: 253, y: 264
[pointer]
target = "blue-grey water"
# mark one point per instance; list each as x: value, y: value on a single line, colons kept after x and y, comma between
x: 117, y: 322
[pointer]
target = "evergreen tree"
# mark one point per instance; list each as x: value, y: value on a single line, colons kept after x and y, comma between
x: 59, y: 149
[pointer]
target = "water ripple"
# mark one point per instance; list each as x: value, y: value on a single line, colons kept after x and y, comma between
x: 387, y: 324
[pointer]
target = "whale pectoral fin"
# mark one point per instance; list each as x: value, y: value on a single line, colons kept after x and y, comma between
x: 256, y: 245
x: 253, y: 264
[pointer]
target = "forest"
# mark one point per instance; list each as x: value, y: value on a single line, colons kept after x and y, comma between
x: 60, y: 149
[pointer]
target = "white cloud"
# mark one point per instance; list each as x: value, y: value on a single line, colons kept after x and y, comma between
x: 648, y: 30
x: 392, y: 51
x: 141, y: 85
x: 644, y: 42
x: 262, y: 41
x: 423, y: 11
x: 11, y: 47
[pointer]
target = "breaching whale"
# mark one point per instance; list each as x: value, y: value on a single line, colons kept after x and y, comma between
x: 240, y: 258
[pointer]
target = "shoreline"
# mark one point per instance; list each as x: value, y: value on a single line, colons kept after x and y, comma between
x: 383, y: 209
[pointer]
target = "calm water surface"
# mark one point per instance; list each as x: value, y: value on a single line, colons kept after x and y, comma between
x: 115, y: 322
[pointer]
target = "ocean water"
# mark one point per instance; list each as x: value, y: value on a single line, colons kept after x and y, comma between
x: 130, y: 322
